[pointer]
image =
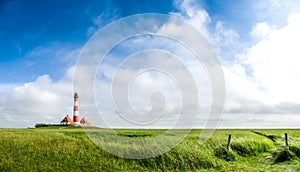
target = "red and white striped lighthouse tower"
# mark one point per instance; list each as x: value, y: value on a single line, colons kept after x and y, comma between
x: 76, y: 110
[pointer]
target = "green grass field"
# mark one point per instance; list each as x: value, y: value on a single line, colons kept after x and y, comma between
x: 69, y: 149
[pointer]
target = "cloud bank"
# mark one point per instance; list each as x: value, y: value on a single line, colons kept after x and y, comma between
x: 262, y: 78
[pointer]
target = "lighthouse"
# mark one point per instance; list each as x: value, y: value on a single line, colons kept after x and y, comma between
x: 68, y: 121
x: 76, y: 110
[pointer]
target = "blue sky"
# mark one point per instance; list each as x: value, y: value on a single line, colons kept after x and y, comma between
x: 27, y: 26
x: 255, y: 42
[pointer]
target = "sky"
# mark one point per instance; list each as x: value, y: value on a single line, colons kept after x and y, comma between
x: 256, y: 42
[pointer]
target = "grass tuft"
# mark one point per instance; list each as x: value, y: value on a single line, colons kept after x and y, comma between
x: 284, y: 155
x: 227, y: 155
x: 295, y: 150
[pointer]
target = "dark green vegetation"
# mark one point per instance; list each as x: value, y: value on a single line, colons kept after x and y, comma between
x: 69, y: 149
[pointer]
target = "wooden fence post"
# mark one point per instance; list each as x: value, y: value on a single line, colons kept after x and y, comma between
x: 286, y: 142
x: 229, y: 140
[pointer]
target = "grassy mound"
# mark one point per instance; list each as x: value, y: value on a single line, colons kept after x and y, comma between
x: 182, y: 159
x: 227, y: 155
x: 284, y: 155
x: 295, y: 150
x: 251, y: 147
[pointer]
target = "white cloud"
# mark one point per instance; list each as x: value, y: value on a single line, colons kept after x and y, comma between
x: 98, y: 22
x: 275, y: 62
x: 243, y: 94
x: 224, y: 37
x: 261, y: 30
x: 275, y: 12
x: 148, y: 82
x: 226, y: 41
x: 34, y: 102
x: 191, y: 12
x: 266, y: 79
x: 6, y: 88
x: 104, y: 18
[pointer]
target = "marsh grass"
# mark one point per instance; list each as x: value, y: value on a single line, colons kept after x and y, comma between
x: 70, y: 149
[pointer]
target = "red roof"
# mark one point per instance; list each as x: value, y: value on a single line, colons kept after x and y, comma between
x: 67, y: 119
x: 84, y: 121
